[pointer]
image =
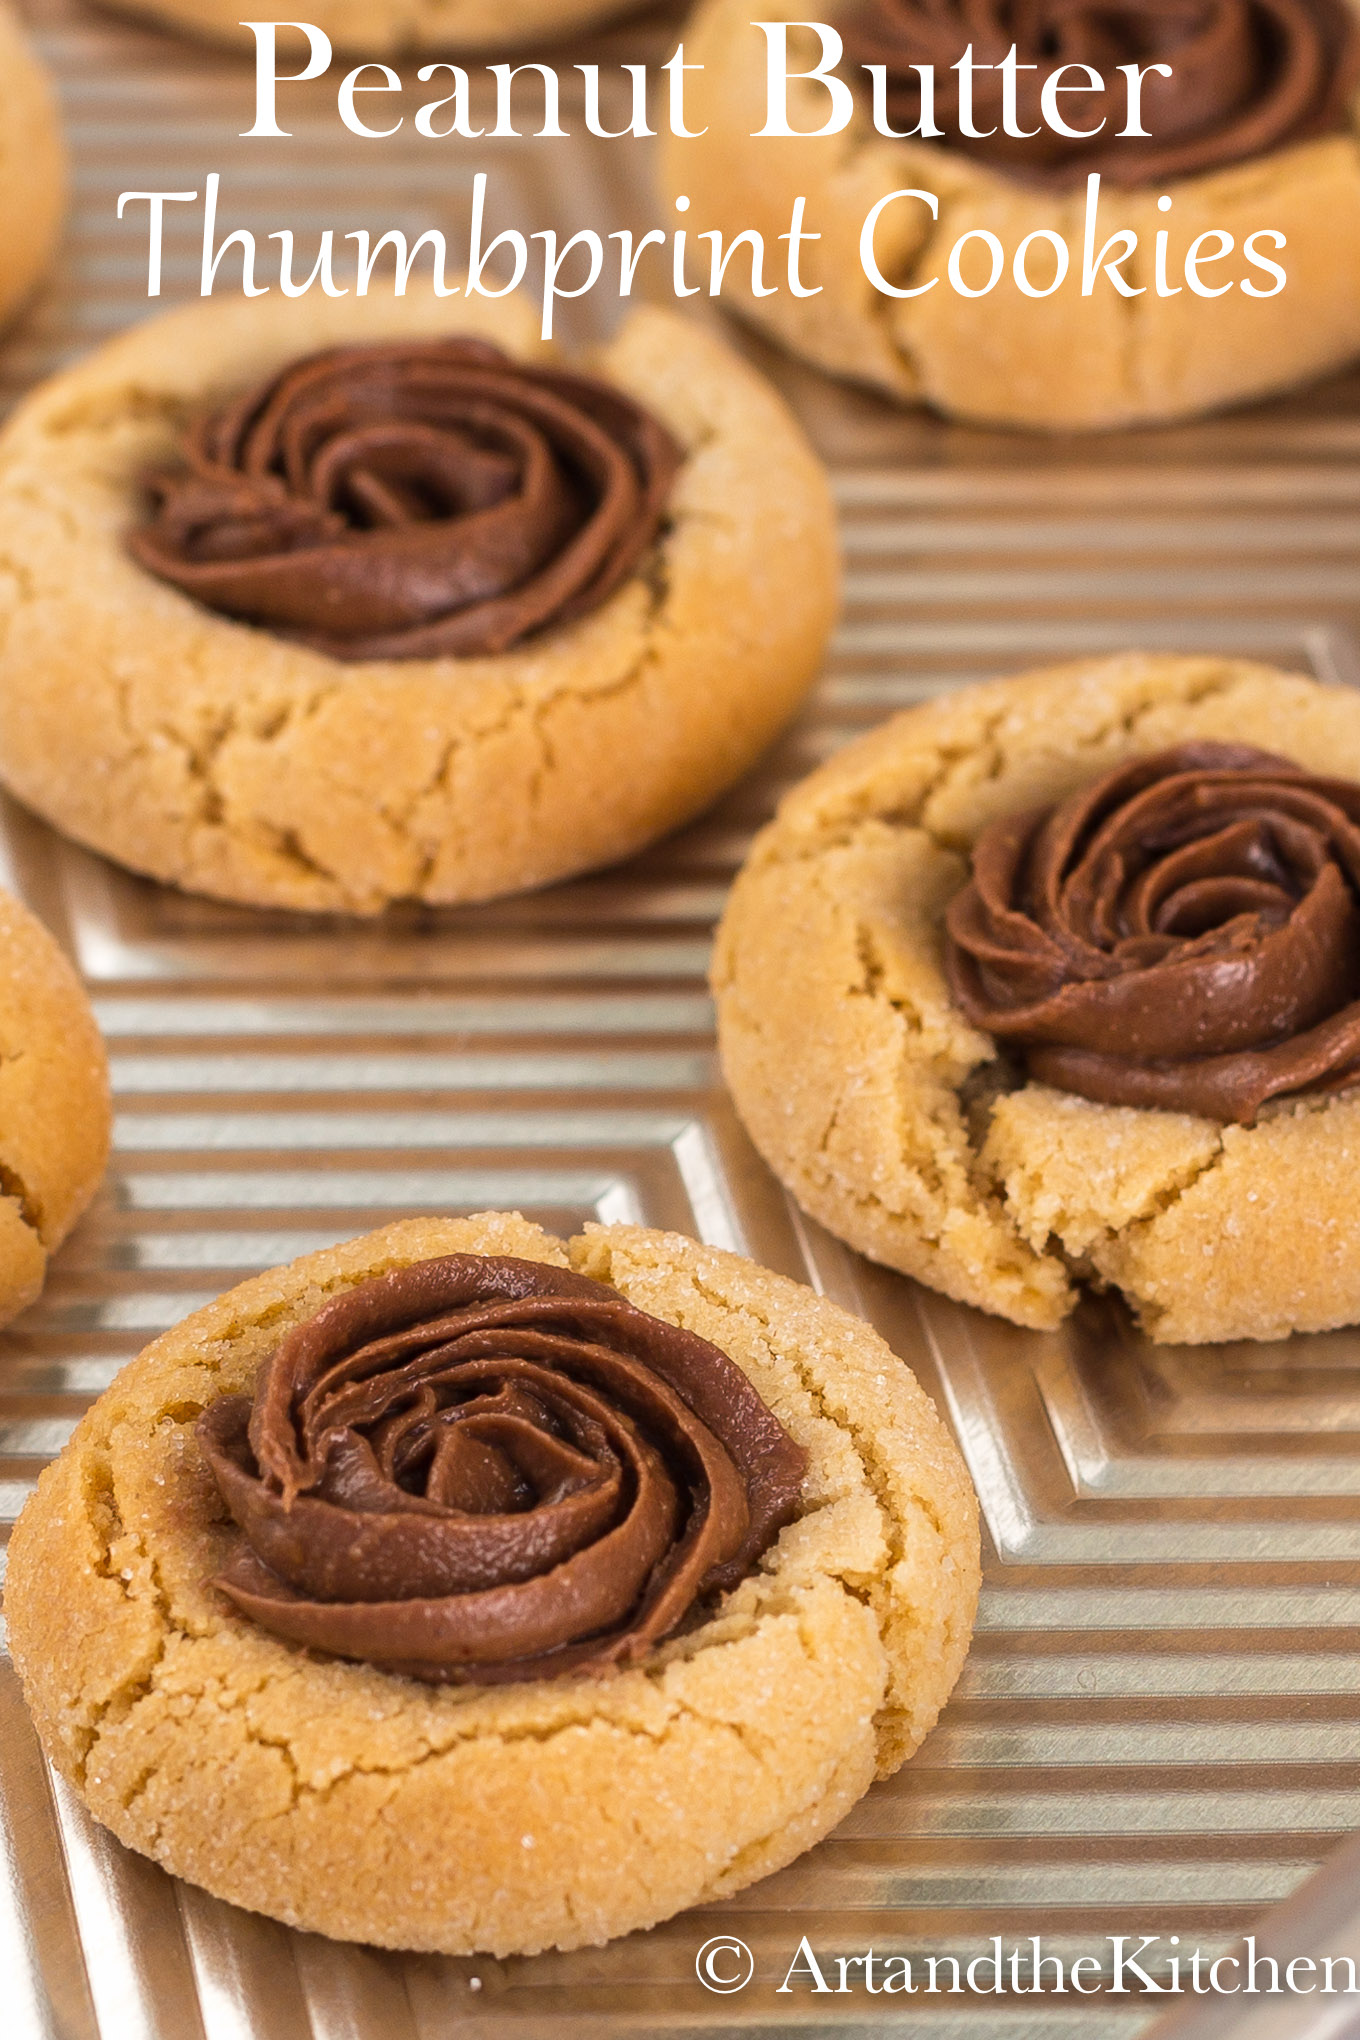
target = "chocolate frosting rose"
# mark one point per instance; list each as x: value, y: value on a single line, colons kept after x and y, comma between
x: 486, y: 1469
x: 412, y: 500
x: 1184, y: 933
x: 1247, y: 76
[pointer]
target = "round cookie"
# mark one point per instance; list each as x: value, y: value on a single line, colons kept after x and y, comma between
x: 1060, y: 362
x: 896, y: 1123
x: 54, y: 1104
x: 509, y: 1818
x: 32, y: 168
x: 220, y: 757
x: 392, y: 28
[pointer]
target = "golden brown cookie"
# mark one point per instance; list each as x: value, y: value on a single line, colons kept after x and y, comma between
x: 231, y: 761
x: 32, y: 168
x: 1060, y: 362
x: 54, y: 1104
x: 388, y: 28
x: 895, y: 1122
x: 505, y: 1818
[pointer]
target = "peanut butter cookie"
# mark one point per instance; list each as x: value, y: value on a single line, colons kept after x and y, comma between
x: 1271, y: 166
x: 32, y: 168
x: 488, y: 1796
x: 1125, y: 1052
x: 237, y: 652
x: 390, y: 28
x: 54, y: 1103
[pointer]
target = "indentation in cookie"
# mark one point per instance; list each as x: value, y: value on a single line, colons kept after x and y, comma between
x: 412, y: 501
x: 891, y: 1116
x: 340, y: 1798
x: 1184, y: 934
x: 483, y: 1469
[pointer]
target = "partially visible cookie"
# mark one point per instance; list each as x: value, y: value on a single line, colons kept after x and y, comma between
x: 390, y: 28
x: 504, y: 1817
x: 903, y: 1126
x: 1054, y: 358
x: 54, y: 1104
x: 233, y: 759
x: 32, y: 167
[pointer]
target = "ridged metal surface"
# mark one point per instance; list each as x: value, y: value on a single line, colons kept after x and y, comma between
x: 1157, y: 1729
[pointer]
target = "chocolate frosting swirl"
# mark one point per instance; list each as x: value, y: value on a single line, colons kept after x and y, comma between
x: 411, y: 501
x: 1247, y: 76
x: 480, y: 1468
x: 1184, y: 933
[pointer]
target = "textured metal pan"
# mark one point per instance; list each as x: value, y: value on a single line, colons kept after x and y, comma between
x: 1157, y: 1730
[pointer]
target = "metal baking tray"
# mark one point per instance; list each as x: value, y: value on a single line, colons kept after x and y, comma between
x: 1158, y: 1730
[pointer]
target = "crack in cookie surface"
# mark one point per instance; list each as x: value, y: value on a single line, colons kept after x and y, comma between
x: 261, y: 772
x: 840, y: 1106
x: 191, y: 1695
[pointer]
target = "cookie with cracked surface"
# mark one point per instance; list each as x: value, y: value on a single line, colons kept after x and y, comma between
x: 548, y: 1812
x: 54, y: 1103
x: 896, y: 1119
x: 1054, y: 362
x: 33, y: 173
x: 230, y: 759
